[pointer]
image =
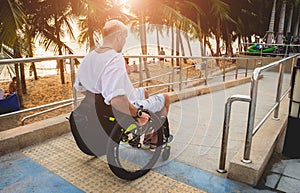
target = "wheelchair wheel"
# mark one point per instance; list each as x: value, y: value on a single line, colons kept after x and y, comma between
x: 166, y: 153
x: 126, y: 155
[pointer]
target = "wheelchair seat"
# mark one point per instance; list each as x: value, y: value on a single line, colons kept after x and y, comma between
x: 90, y: 124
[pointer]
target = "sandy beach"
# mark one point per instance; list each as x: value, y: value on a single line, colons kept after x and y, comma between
x: 48, y: 89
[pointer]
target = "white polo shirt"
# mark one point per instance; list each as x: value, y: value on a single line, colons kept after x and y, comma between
x: 105, y: 73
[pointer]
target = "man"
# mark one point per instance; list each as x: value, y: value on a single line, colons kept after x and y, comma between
x: 161, y: 60
x: 103, y: 71
x: 12, y: 86
x: 287, y: 41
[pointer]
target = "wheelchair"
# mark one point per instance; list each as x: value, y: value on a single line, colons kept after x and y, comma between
x: 99, y: 129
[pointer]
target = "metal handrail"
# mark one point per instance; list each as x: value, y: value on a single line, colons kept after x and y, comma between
x: 35, y: 108
x: 272, y: 109
x: 252, y: 98
x: 38, y: 59
x: 230, y: 100
x: 72, y: 66
x: 45, y: 111
x: 253, y: 95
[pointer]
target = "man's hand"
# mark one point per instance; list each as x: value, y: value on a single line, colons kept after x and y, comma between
x: 143, y: 120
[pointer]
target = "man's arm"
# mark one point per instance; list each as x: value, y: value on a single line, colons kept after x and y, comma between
x: 122, y: 104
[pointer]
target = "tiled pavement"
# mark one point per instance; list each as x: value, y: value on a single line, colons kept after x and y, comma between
x: 282, y: 174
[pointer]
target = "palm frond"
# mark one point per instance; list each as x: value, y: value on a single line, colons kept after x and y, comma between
x: 12, y: 18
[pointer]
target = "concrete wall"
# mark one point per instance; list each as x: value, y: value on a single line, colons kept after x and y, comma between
x: 268, y: 138
x: 20, y: 137
x: 251, y: 62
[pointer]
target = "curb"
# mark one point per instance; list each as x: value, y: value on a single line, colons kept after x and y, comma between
x: 23, y: 136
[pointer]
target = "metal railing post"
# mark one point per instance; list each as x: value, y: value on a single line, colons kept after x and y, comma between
x: 187, y: 75
x: 246, y: 70
x: 236, y: 71
x: 180, y: 74
x: 73, y: 81
x: 278, y: 93
x: 140, y: 72
x: 205, y: 72
x: 251, y: 115
x: 224, y: 71
x: 226, y: 123
x: 173, y: 74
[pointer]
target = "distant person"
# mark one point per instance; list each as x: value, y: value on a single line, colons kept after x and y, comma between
x: 297, y: 42
x: 127, y: 65
x: 288, y: 40
x: 12, y: 86
x: 135, y: 68
x: 161, y: 60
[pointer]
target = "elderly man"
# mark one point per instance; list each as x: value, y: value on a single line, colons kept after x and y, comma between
x: 103, y: 72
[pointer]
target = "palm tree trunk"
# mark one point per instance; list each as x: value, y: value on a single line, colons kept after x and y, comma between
x: 202, y: 53
x: 173, y: 44
x: 229, y: 43
x: 188, y: 43
x: 181, y: 46
x: 281, y: 23
x: 204, y: 44
x: 90, y: 29
x: 23, y: 79
x: 218, y: 34
x: 296, y: 29
x: 17, y: 54
x: 90, y: 32
x: 30, y: 54
x: 61, y: 63
x: 157, y: 39
x: 209, y: 47
x: 270, y: 32
x: 289, y: 26
x: 177, y: 46
x: 142, y: 28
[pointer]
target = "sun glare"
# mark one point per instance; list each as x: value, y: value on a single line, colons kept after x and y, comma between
x: 123, y: 1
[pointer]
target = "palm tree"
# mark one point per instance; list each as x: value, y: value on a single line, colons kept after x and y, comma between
x: 92, y: 16
x: 220, y: 11
x: 270, y: 32
x: 199, y: 13
x: 12, y: 18
x: 294, y: 6
x: 175, y: 16
x: 296, y: 29
x: 289, y: 25
x: 212, y: 17
x: 51, y: 19
x: 141, y: 10
x: 281, y: 23
x: 31, y: 9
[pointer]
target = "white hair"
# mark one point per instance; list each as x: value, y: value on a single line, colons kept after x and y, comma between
x: 113, y: 26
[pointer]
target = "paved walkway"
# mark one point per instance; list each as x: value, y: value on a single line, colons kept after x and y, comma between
x: 198, y: 122
x: 58, y: 166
